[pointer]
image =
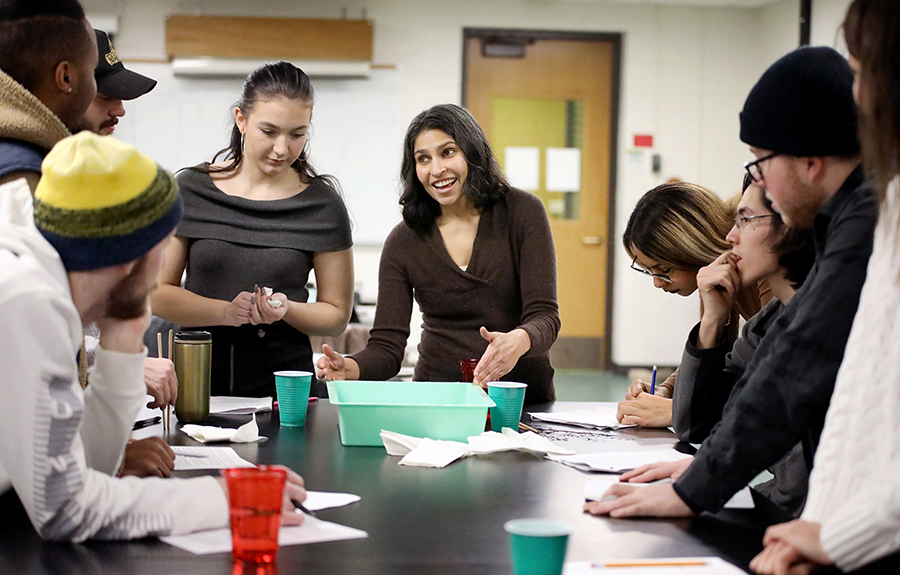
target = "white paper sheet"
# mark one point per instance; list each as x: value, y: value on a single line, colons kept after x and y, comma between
x: 522, y: 167
x: 597, y: 417
x: 311, y: 531
x: 203, y: 457
x: 318, y: 500
x: 508, y: 440
x: 563, y: 169
x: 239, y: 405
x: 711, y: 566
x: 618, y: 461
x: 595, y: 488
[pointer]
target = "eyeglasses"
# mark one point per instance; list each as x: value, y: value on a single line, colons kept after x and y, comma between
x: 741, y: 221
x: 753, y: 167
x: 664, y: 277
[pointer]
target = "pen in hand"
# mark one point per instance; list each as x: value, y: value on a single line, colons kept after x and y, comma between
x: 302, y: 508
x: 653, y: 382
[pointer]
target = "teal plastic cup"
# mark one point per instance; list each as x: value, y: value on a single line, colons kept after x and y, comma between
x: 537, y: 546
x: 293, y: 396
x: 509, y: 397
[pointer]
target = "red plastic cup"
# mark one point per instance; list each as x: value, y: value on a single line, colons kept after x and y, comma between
x: 254, y: 504
x: 468, y: 368
x: 468, y: 372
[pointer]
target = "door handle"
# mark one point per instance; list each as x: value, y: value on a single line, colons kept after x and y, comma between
x: 591, y: 240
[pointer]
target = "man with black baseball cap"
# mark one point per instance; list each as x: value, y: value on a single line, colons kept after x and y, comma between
x: 115, y: 83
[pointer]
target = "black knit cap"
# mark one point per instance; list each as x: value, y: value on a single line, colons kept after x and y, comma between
x: 803, y: 106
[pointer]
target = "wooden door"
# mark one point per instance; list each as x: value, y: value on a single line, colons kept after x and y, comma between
x: 554, y: 106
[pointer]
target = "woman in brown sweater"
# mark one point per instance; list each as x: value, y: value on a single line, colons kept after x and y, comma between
x: 476, y: 254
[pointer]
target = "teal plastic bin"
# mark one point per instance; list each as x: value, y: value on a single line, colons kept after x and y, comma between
x: 437, y: 410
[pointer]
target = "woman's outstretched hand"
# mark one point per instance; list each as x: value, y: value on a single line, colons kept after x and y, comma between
x: 332, y: 367
x: 501, y: 355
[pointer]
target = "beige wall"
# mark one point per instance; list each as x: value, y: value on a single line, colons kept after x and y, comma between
x: 685, y: 74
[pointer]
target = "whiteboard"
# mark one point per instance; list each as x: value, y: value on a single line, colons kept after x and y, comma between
x: 357, y: 134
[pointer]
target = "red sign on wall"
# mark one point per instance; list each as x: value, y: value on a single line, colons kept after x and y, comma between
x: 643, y: 140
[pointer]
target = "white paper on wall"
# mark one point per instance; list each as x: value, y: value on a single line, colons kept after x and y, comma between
x: 563, y: 169
x: 522, y: 167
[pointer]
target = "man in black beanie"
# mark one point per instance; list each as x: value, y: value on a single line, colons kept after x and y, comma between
x: 800, y: 122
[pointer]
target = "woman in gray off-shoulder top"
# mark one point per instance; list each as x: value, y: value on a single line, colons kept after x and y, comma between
x: 262, y: 218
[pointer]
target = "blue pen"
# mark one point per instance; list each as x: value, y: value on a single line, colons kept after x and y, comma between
x: 653, y: 382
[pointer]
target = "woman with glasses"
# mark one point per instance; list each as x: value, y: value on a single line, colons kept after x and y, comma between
x: 260, y: 218
x: 674, y: 230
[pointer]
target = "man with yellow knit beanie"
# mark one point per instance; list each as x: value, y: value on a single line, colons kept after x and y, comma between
x: 102, y: 214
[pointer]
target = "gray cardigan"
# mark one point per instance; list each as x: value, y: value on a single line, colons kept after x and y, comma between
x: 707, y: 376
x: 702, y: 393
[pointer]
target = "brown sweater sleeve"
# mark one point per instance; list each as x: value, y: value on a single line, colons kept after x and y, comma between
x: 384, y: 352
x: 537, y: 273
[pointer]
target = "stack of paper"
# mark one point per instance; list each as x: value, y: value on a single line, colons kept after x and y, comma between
x: 618, y: 461
x: 595, y: 418
x: 207, y: 458
x: 239, y: 405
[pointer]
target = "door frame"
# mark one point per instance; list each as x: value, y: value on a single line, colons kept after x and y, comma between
x: 615, y: 39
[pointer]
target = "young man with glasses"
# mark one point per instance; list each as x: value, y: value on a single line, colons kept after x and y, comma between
x: 800, y: 122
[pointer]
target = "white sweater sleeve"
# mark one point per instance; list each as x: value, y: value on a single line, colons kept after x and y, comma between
x: 42, y: 452
x: 866, y: 527
x: 111, y: 402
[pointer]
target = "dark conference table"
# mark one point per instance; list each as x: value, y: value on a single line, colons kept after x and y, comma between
x: 419, y: 520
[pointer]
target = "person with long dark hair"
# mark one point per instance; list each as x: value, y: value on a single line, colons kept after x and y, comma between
x: 852, y: 514
x: 475, y: 253
x: 261, y: 218
x: 675, y: 230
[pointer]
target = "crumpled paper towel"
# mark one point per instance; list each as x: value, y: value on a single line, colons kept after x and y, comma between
x: 247, y: 433
x: 267, y: 291
x: 424, y: 452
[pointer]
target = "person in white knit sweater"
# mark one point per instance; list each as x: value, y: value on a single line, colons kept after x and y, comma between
x: 852, y: 515
x: 92, y: 253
